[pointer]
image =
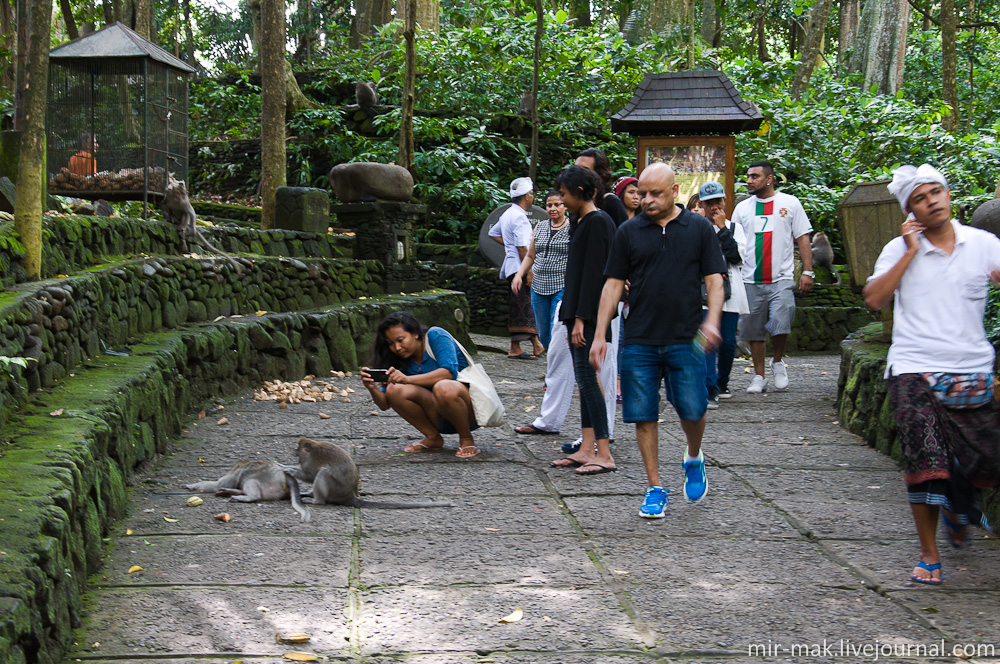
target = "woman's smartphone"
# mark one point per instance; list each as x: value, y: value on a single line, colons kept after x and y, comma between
x: 379, y: 375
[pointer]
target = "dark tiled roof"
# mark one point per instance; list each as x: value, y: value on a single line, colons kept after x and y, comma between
x: 116, y: 41
x: 686, y: 102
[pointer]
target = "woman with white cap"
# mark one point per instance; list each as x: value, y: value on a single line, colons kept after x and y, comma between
x: 940, y: 363
x: 513, y: 230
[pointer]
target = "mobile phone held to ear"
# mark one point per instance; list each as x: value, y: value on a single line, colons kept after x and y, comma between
x: 379, y: 375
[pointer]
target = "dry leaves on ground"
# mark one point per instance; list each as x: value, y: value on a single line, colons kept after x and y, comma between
x: 308, y: 390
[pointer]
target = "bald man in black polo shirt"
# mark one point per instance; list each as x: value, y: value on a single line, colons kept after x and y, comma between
x: 665, y: 254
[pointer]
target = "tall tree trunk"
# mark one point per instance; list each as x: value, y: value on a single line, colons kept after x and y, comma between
x: 708, y: 21
x: 762, y: 55
x: 813, y: 48
x: 428, y: 14
x: 406, y: 148
x: 20, y: 67
x: 144, y: 18
x: 31, y: 163
x: 188, y: 36
x: 536, y: 68
x: 881, y: 44
x: 949, y: 64
x: 580, y: 11
x: 7, y: 43
x: 692, y: 38
x: 850, y: 14
x: 67, y: 13
x: 361, y: 22
x: 272, y: 135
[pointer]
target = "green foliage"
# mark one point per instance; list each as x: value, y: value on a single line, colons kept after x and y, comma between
x: 219, y: 110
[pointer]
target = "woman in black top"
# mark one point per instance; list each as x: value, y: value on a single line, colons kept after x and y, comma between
x: 589, y: 245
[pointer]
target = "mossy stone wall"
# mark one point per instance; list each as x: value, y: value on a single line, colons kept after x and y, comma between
x: 63, y: 477
x: 863, y: 399
x: 75, y: 242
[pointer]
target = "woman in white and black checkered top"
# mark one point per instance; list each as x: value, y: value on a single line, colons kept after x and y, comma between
x: 546, y: 258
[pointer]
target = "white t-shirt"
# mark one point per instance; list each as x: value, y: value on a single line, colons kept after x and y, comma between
x: 940, y: 302
x: 771, y: 225
x: 737, y: 302
x: 515, y: 229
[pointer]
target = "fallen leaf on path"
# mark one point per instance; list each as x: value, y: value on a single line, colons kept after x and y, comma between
x: 263, y: 609
x: 57, y: 413
x: 292, y: 638
x: 134, y: 568
x: 128, y: 531
x: 169, y: 520
x: 224, y: 420
x: 513, y: 617
x: 931, y: 609
x: 300, y: 656
x: 194, y: 501
x: 201, y: 414
x: 495, y: 530
x: 530, y: 408
x: 260, y: 313
x: 324, y: 416
x: 224, y: 517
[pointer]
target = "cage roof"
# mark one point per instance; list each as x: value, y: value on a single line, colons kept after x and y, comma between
x: 116, y: 41
x: 686, y: 102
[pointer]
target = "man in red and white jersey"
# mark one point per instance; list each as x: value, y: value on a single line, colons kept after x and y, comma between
x: 774, y: 223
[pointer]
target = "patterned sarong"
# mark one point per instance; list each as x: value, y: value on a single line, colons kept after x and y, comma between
x: 521, y: 320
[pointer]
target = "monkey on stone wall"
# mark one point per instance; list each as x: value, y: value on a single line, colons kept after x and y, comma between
x: 364, y: 92
x: 177, y: 210
x: 822, y: 254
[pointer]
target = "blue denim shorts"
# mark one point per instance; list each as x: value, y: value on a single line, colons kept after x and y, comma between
x: 681, y: 367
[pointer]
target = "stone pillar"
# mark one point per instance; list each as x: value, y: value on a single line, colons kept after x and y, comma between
x: 383, y: 232
x: 302, y: 209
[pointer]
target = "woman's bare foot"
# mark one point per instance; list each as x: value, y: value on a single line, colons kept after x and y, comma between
x: 426, y: 444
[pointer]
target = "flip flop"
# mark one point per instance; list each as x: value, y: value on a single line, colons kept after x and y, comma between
x: 930, y: 568
x: 529, y: 429
x: 522, y: 356
x: 573, y: 463
x: 467, y: 456
x: 418, y: 447
x: 951, y: 529
x: 603, y: 469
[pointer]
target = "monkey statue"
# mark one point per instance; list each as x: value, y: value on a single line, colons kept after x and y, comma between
x: 365, y: 93
x: 822, y: 254
x: 177, y: 210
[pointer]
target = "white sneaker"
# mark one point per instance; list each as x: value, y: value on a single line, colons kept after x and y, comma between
x: 757, y: 385
x: 780, y: 375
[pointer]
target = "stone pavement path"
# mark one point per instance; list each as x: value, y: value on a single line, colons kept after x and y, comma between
x: 804, y: 540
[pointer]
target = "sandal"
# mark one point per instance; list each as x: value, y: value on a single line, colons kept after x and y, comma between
x: 936, y: 567
x: 467, y: 455
x: 958, y: 533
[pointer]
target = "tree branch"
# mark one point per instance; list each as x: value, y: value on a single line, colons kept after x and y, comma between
x: 961, y: 26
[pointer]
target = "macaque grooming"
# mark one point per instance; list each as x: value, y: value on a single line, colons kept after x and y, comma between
x: 822, y: 253
x: 334, y: 477
x: 177, y: 210
x: 365, y: 94
x: 253, y: 480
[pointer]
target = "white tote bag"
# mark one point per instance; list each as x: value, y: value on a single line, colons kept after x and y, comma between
x: 486, y: 402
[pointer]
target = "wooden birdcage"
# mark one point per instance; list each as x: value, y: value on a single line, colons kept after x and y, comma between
x: 117, y: 117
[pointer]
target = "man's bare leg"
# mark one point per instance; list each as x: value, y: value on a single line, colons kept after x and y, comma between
x: 694, y: 431
x: 647, y: 437
x: 778, y: 341
x: 757, y: 351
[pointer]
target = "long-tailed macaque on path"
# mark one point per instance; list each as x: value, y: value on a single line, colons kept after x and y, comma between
x: 822, y: 253
x: 334, y: 477
x: 253, y: 480
x: 332, y: 472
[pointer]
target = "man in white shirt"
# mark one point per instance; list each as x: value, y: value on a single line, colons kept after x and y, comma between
x: 513, y: 230
x: 774, y: 222
x: 940, y: 363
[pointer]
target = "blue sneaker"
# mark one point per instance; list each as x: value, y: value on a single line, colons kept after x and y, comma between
x: 695, y: 479
x: 574, y: 447
x: 655, y: 503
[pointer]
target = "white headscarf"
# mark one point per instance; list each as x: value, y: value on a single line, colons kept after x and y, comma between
x: 907, y: 178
